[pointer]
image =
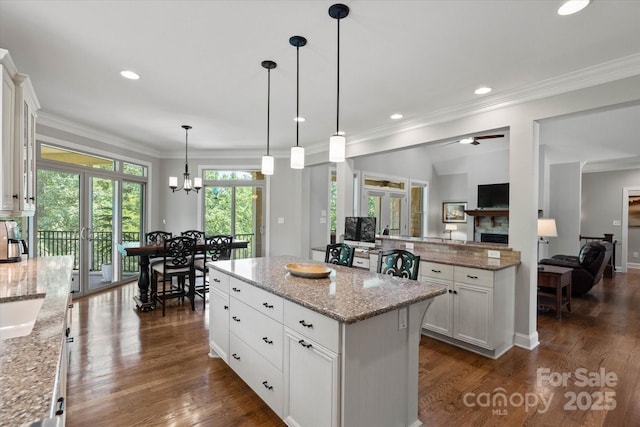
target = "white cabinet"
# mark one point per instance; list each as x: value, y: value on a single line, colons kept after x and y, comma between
x: 311, y: 382
x: 219, y: 324
x: 18, y: 131
x: 439, y: 316
x: 477, y: 312
x: 317, y: 255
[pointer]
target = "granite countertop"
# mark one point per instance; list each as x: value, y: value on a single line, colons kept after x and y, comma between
x: 28, y: 365
x: 462, y: 260
x: 348, y: 295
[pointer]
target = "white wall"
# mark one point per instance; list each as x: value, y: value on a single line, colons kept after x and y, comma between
x: 564, y: 207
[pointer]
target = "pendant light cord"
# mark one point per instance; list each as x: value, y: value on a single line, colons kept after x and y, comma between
x: 297, y: 91
x: 186, y: 151
x: 268, y: 105
x: 338, y: 83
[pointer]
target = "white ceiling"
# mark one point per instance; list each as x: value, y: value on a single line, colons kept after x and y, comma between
x: 200, y: 65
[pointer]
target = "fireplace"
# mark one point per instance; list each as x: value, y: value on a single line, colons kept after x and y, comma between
x: 494, y: 238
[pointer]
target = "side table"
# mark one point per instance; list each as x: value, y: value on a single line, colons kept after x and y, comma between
x: 554, y: 278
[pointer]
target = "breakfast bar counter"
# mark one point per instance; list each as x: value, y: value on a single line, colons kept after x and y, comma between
x: 340, y: 350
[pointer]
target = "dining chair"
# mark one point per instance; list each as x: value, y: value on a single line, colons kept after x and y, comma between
x: 156, y: 238
x: 196, y: 235
x: 339, y: 253
x: 177, y: 263
x: 217, y: 248
x: 399, y: 262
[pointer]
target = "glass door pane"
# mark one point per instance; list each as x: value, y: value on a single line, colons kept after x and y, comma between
x: 101, y: 247
x: 395, y: 215
x: 416, y: 222
x: 58, y: 218
x: 248, y: 218
x: 132, y: 209
x: 217, y: 210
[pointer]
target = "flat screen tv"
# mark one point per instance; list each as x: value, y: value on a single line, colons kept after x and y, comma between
x: 493, y: 196
x: 360, y: 231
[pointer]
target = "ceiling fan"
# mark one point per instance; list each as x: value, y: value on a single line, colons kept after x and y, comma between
x: 475, y: 140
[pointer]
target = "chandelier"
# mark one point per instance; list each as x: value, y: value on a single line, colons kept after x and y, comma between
x: 187, y: 185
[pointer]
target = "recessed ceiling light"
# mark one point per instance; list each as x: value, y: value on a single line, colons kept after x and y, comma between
x: 128, y: 74
x: 466, y: 141
x: 572, y: 6
x: 299, y: 119
x: 482, y: 90
x: 396, y: 116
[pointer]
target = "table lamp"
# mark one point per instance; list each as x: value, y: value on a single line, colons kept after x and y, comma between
x: 449, y: 228
x: 546, y: 228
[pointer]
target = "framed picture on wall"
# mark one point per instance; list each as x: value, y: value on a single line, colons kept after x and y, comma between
x: 634, y: 211
x: 454, y: 212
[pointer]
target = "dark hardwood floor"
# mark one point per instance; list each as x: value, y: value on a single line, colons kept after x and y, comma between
x: 140, y: 369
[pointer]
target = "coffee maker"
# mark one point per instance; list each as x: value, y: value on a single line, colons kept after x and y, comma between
x: 12, y: 247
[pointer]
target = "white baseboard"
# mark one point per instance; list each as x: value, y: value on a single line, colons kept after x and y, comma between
x: 632, y: 265
x: 528, y: 342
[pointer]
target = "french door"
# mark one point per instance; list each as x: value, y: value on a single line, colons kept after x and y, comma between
x: 238, y: 210
x: 79, y: 214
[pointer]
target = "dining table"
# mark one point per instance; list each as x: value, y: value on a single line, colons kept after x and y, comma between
x: 145, y: 252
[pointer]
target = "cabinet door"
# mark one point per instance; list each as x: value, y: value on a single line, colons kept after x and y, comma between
x: 27, y: 161
x: 439, y: 314
x: 472, y: 306
x: 311, y: 387
x: 219, y: 324
x: 8, y: 92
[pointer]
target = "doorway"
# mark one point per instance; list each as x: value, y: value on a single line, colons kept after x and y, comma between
x: 84, y: 206
x: 630, y: 257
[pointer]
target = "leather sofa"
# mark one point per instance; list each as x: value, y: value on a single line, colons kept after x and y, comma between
x: 588, y: 267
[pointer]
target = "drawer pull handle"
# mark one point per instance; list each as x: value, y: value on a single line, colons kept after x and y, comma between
x: 267, y: 340
x: 70, y: 339
x: 60, y: 410
x: 450, y: 291
x: 305, y: 324
x: 472, y: 277
x: 436, y: 271
x: 235, y: 356
x: 215, y: 279
x: 235, y: 318
x: 267, y: 305
x: 67, y: 332
x: 234, y: 289
x: 455, y: 292
x: 267, y: 386
x: 305, y: 344
x: 226, y: 307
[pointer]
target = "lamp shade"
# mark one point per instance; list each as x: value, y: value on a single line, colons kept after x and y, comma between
x: 267, y: 165
x: 547, y: 227
x: 173, y: 182
x: 297, y: 158
x: 450, y: 227
x: 336, y: 148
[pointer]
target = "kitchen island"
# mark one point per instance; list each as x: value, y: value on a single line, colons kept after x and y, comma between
x: 335, y: 351
x: 33, y: 366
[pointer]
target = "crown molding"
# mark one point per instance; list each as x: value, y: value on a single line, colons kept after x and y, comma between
x: 53, y: 121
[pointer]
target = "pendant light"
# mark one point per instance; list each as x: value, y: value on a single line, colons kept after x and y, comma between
x: 267, y: 160
x: 297, y: 152
x: 337, y: 142
x: 187, y: 185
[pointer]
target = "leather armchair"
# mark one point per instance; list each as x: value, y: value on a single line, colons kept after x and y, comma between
x: 588, y: 267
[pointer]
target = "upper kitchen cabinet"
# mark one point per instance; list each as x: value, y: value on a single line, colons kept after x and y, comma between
x: 18, y: 145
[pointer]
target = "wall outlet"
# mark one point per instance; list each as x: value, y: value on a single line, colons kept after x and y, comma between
x: 402, y: 318
x: 617, y: 222
x: 323, y: 220
x: 635, y: 255
x: 493, y: 254
x: 409, y: 246
x: 281, y: 220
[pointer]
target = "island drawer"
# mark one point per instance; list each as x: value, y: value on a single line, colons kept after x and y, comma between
x: 473, y: 276
x: 219, y: 280
x: 313, y: 325
x: 259, y: 374
x: 262, y: 333
x: 261, y: 300
x: 436, y: 271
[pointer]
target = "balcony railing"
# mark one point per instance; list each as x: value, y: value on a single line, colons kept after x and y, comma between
x: 52, y: 243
